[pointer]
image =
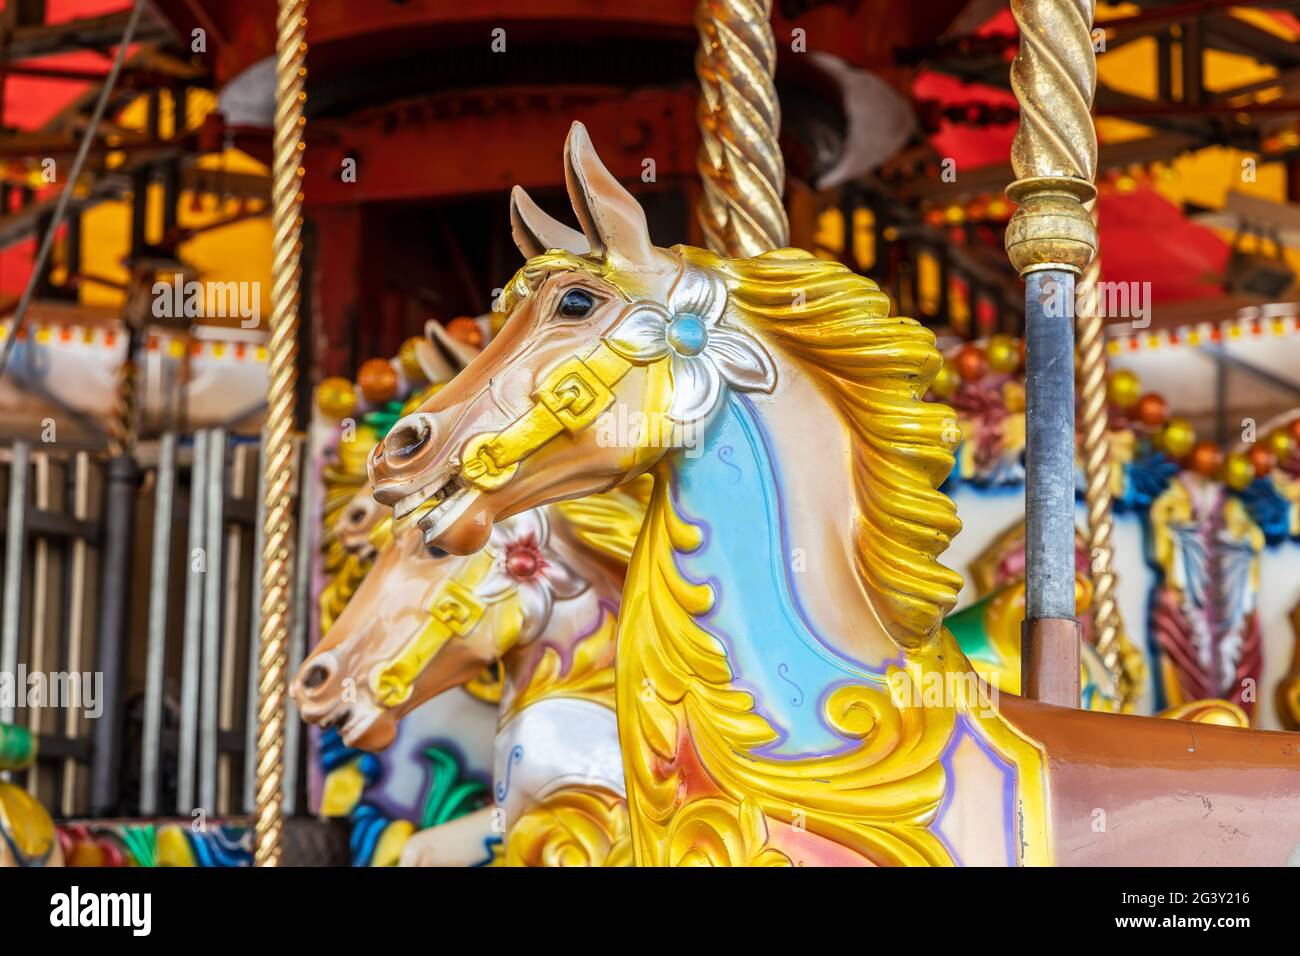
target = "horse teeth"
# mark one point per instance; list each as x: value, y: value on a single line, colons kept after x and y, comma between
x: 412, y: 501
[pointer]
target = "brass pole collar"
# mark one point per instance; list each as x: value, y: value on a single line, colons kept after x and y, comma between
x: 1051, y: 228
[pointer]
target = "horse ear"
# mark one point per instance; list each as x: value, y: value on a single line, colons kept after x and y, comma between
x: 460, y: 353
x: 611, y: 218
x: 535, y: 232
x: 440, y: 356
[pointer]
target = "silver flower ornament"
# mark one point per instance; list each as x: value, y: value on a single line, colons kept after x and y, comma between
x: 705, y: 353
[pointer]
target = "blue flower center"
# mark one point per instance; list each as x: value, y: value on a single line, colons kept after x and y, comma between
x: 687, y: 335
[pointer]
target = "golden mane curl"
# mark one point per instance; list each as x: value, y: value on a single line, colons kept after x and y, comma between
x: 875, y: 369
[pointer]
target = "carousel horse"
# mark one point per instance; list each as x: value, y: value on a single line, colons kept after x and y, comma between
x: 786, y: 693
x: 457, y: 742
x: 27, y: 834
x: 541, y: 598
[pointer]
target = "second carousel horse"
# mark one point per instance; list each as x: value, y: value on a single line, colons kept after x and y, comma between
x: 540, y: 598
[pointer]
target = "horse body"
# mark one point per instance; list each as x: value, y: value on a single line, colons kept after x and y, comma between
x: 786, y: 692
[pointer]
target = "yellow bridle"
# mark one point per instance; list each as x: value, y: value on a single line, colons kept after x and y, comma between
x: 568, y: 399
x: 453, y: 612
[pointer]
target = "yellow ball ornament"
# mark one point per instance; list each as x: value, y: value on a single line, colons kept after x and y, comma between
x: 1003, y: 353
x: 1238, y: 471
x: 406, y: 358
x: 336, y: 397
x: 1123, y: 389
x: 354, y: 448
x: 946, y: 381
x: 1179, y: 437
x: 1281, y: 444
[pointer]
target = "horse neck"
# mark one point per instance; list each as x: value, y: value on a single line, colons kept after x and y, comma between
x: 774, y: 489
x: 573, y: 655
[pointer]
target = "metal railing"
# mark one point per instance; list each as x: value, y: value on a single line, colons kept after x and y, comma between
x: 142, y: 572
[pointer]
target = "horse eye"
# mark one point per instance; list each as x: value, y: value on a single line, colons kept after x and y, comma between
x: 433, y: 552
x: 576, y: 303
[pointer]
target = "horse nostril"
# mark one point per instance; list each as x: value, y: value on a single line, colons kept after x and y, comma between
x: 407, y: 437
x: 316, y: 676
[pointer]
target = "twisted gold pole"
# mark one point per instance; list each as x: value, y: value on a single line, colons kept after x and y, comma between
x: 1098, y: 472
x: 740, y: 158
x: 1054, y: 153
x: 277, y: 441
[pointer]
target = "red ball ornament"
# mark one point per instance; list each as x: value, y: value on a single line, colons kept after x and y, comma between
x: 1152, y: 409
x: 971, y: 362
x: 1263, y: 460
x: 1207, y: 459
x: 1295, y: 429
x: 378, y: 380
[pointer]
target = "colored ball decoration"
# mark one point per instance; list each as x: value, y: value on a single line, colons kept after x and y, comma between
x: 1123, y: 389
x: 464, y: 329
x: 1281, y: 444
x: 971, y: 363
x: 946, y: 381
x: 1207, y: 459
x: 408, y: 359
x: 1262, y: 460
x: 378, y: 381
x: 1238, y: 472
x: 336, y: 397
x: 1178, y: 438
x: 1151, y: 409
x: 354, y: 449
x: 1003, y: 354
x: 1294, y: 429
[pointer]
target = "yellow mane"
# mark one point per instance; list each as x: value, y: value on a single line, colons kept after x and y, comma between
x: 875, y: 368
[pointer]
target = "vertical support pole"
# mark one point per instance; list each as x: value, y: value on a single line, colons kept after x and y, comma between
x: 740, y: 159
x: 159, y: 579
x: 191, y: 638
x: 277, y: 440
x: 1120, y: 658
x: 15, y: 554
x: 114, y: 618
x: 302, y: 573
x: 214, y: 588
x: 1050, y: 240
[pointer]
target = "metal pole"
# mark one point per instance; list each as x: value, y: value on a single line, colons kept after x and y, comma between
x: 159, y: 578
x: 191, y: 640
x: 213, y: 586
x: 277, y: 440
x: 1050, y: 240
x: 114, y: 619
x: 15, y: 552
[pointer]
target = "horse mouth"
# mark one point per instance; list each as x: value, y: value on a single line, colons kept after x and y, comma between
x: 431, y: 494
x: 355, y: 725
x: 453, y: 500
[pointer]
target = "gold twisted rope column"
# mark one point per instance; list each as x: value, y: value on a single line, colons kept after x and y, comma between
x: 277, y: 441
x: 1124, y: 665
x: 740, y: 158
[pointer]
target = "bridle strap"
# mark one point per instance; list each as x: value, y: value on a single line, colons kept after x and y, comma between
x: 571, y: 396
x: 453, y: 612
